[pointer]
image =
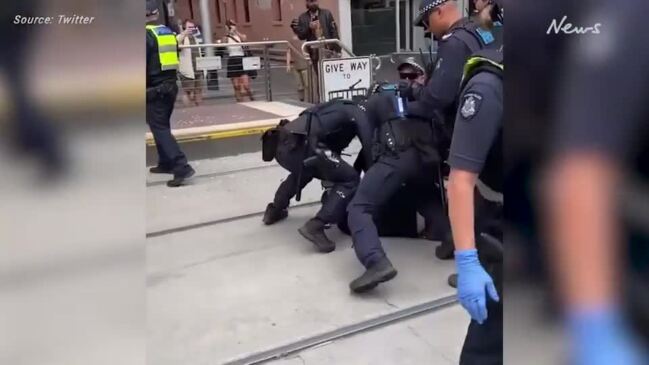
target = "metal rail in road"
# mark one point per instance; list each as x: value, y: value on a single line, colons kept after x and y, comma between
x: 345, y: 331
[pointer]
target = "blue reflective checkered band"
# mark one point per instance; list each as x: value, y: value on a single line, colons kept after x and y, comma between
x: 163, y: 31
x: 486, y: 35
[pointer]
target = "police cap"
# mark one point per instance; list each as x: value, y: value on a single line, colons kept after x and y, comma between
x: 410, y: 62
x: 424, y: 9
x: 152, y: 7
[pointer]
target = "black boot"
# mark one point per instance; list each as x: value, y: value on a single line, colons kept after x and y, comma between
x: 180, y: 177
x: 452, y: 281
x: 274, y: 215
x: 445, y: 251
x: 378, y: 273
x: 160, y: 170
x: 313, y: 230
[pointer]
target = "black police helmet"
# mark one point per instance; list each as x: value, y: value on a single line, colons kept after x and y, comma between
x: 152, y: 7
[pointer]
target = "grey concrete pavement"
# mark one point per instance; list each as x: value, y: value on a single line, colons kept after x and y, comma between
x: 236, y: 287
x: 434, y: 339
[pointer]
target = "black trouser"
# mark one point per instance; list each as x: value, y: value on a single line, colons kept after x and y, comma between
x: 344, y: 177
x: 429, y: 203
x: 159, y: 106
x: 379, y: 184
x: 32, y: 129
x: 483, y: 344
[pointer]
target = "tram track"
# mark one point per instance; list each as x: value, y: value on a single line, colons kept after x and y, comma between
x: 342, y: 332
x: 193, y: 226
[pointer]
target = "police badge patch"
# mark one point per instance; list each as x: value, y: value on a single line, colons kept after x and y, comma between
x: 470, y: 105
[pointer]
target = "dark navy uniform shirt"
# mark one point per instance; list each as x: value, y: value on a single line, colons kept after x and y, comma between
x: 336, y: 126
x: 477, y: 138
x: 440, y: 93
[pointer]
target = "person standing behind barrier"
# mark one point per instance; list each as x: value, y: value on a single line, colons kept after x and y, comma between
x: 316, y: 24
x: 236, y: 73
x: 299, y: 67
x: 161, y: 91
x: 191, y: 79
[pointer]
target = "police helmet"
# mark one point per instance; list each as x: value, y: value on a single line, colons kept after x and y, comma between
x: 152, y: 7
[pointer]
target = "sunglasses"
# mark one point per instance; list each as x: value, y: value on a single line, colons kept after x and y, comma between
x: 408, y: 75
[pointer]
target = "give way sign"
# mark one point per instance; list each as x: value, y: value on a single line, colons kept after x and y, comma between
x: 345, y: 78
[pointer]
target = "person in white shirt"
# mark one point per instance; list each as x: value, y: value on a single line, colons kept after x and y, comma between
x: 191, y: 79
x: 239, y: 77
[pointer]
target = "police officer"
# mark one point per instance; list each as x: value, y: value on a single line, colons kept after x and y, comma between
x: 493, y: 33
x: 333, y: 125
x: 429, y: 207
x: 161, y: 90
x: 476, y: 152
x: 406, y: 136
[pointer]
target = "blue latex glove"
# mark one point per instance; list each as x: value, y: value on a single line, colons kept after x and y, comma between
x: 601, y: 338
x: 473, y: 283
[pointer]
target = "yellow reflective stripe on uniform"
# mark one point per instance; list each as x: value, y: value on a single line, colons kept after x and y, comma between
x: 163, y: 49
x: 475, y: 61
x: 167, y: 49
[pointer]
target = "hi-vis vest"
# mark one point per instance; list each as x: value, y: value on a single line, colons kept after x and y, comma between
x: 167, y: 46
x: 486, y: 60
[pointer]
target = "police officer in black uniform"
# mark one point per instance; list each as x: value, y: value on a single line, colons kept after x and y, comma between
x: 161, y: 91
x: 314, y: 151
x: 406, y: 137
x: 476, y: 152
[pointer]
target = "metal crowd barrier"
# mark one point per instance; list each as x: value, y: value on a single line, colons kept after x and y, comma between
x: 265, y: 60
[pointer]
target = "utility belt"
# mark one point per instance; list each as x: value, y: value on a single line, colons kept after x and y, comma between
x: 164, y: 88
x: 398, y: 135
x: 391, y: 137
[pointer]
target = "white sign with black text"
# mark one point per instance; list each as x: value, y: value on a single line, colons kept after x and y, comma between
x: 251, y: 63
x: 208, y: 63
x: 344, y: 78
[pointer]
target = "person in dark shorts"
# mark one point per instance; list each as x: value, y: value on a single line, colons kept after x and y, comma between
x: 239, y: 77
